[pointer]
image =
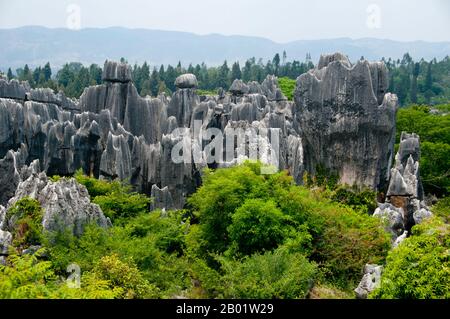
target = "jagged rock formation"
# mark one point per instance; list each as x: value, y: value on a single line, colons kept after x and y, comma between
x: 341, y: 119
x: 66, y: 203
x: 370, y: 281
x: 347, y: 120
x: 404, y: 206
x: 405, y: 191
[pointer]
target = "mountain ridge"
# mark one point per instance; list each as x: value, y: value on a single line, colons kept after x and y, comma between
x: 35, y: 45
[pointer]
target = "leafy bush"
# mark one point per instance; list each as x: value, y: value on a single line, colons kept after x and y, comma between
x: 343, y: 240
x: 25, y: 222
x: 277, y: 274
x: 222, y: 192
x: 419, y: 267
x: 364, y: 201
x: 151, y: 242
x: 287, y: 86
x: 442, y: 209
x: 26, y: 277
x: 243, y: 211
x: 116, y: 200
x: 256, y: 226
x: 95, y: 186
x: 123, y: 278
x: 120, y: 204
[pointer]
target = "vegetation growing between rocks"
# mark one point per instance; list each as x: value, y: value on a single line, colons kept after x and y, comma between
x: 432, y: 124
x: 305, y: 236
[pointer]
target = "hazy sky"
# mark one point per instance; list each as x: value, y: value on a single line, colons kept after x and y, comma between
x: 279, y: 20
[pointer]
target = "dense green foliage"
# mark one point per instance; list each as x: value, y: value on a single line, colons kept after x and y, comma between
x: 25, y: 224
x: 274, y: 274
x: 114, y: 198
x: 423, y: 82
x: 248, y: 235
x: 419, y: 267
x: 287, y: 86
x: 237, y: 203
x: 432, y: 124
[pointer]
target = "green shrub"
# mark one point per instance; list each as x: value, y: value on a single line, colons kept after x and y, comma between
x: 151, y: 242
x: 222, y: 192
x: 243, y: 211
x: 277, y: 274
x: 257, y: 225
x: 116, y: 199
x: 343, y: 240
x: 419, y: 267
x: 364, y: 201
x: 119, y: 204
x: 25, y: 222
x: 442, y: 209
x: 287, y: 86
x: 123, y: 278
x: 96, y: 187
x: 26, y: 277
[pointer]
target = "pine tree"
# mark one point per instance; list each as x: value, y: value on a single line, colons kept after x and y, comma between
x: 235, y: 71
x: 47, y: 72
x: 10, y: 74
x: 415, y: 74
x: 154, y: 82
x: 223, y: 76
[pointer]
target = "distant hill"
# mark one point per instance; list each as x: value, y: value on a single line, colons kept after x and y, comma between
x: 37, y: 45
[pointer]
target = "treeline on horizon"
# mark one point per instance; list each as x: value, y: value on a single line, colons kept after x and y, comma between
x: 416, y: 82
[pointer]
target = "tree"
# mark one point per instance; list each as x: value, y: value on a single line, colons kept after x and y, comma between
x: 223, y: 76
x: 47, y: 72
x: 419, y: 267
x: 170, y: 77
x: 236, y: 71
x: 415, y: 74
x: 27, y: 75
x: 246, y: 71
x: 256, y: 226
x: 10, y: 74
x: 276, y: 64
x: 162, y: 73
x: 428, y: 83
x: 154, y: 82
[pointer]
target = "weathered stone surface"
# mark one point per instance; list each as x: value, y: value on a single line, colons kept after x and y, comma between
x: 5, y: 241
x: 183, y: 102
x: 12, y: 89
x: 10, y: 168
x: 400, y: 239
x: 405, y: 176
x: 162, y: 199
x: 393, y: 216
x: 116, y: 158
x: 186, y: 81
x: 405, y: 190
x: 342, y: 119
x: 370, y: 281
x: 116, y: 72
x: 343, y: 127
x: 238, y: 87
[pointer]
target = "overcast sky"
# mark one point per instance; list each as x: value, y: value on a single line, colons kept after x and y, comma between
x: 279, y: 20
